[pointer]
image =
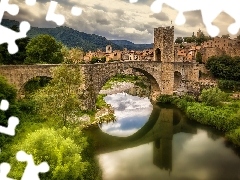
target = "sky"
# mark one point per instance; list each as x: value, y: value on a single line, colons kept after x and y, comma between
x: 116, y: 19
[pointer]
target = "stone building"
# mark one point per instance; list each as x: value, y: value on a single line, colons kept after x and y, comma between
x: 108, y: 49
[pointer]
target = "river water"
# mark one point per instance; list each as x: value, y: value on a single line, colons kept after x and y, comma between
x: 149, y: 142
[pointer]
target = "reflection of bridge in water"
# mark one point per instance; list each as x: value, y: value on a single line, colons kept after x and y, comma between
x: 163, y: 123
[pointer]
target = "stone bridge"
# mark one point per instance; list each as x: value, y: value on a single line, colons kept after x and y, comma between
x: 163, y: 81
x: 165, y: 75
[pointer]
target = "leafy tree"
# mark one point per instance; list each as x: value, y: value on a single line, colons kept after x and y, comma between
x: 201, y: 39
x: 199, y: 57
x: 213, y: 96
x: 60, y: 99
x: 73, y: 55
x: 103, y: 59
x: 17, y: 58
x: 224, y: 67
x: 94, y: 60
x: 179, y: 40
x: 61, y: 148
x: 226, y: 36
x: 44, y: 49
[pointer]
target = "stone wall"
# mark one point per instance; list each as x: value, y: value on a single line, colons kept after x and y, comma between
x: 211, y: 51
x: 164, y: 40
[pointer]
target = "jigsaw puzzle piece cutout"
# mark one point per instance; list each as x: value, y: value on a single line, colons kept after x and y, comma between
x: 4, y: 170
x: 180, y: 6
x: 232, y: 9
x: 12, y: 9
x: 10, y: 130
x: 52, y: 16
x: 76, y: 11
x: 12, y: 121
x: 31, y: 171
x: 12, y: 36
x: 30, y: 2
x: 4, y: 105
x: 133, y: 1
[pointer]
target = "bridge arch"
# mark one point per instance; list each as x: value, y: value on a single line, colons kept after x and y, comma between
x: 21, y: 91
x: 152, y: 76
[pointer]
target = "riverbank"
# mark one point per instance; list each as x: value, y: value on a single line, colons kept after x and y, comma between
x: 224, y: 116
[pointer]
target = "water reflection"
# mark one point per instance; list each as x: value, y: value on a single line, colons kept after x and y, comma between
x: 166, y: 147
x: 132, y: 113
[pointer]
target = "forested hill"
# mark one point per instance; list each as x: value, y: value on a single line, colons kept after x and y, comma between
x: 74, y: 38
x: 131, y: 46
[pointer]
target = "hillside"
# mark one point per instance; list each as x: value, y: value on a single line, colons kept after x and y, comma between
x: 131, y: 46
x: 74, y: 38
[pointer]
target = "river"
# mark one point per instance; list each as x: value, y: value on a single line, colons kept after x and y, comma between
x: 149, y: 142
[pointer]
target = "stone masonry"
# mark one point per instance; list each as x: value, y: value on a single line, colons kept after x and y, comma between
x: 161, y: 72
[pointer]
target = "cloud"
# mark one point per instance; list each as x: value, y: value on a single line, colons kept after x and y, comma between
x: 160, y: 16
x: 118, y: 19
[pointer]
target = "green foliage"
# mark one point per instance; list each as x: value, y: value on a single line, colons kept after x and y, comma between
x: 222, y: 118
x: 61, y: 97
x: 224, y: 67
x: 234, y: 136
x: 9, y: 93
x: 34, y: 84
x: 94, y: 60
x: 44, y: 49
x: 73, y: 55
x: 100, y: 103
x: 166, y: 99
x: 17, y: 58
x: 179, y: 40
x: 60, y: 148
x: 137, y: 80
x: 213, y: 96
x: 199, y: 57
x: 229, y: 85
x: 103, y: 59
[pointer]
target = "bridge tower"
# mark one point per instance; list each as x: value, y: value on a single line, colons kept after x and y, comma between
x: 164, y: 44
x: 164, y: 52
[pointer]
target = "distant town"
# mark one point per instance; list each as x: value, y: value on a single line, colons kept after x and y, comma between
x: 184, y: 50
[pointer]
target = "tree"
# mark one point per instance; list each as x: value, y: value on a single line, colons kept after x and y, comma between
x: 60, y: 99
x: 73, y: 55
x: 61, y: 149
x: 44, y: 49
x: 224, y: 67
x: 199, y: 57
x: 179, y: 40
x: 226, y: 36
x: 94, y: 60
x: 103, y: 59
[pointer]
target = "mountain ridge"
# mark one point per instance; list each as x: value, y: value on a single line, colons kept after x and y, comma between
x: 74, y: 38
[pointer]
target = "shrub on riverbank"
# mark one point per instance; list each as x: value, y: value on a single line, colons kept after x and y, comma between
x: 211, y: 111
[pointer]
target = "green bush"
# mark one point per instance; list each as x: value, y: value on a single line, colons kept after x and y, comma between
x: 213, y: 96
x: 60, y: 148
x: 165, y: 99
x: 229, y: 85
x: 234, y: 136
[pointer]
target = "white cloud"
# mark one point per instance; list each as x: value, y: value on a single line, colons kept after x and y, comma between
x: 118, y: 19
